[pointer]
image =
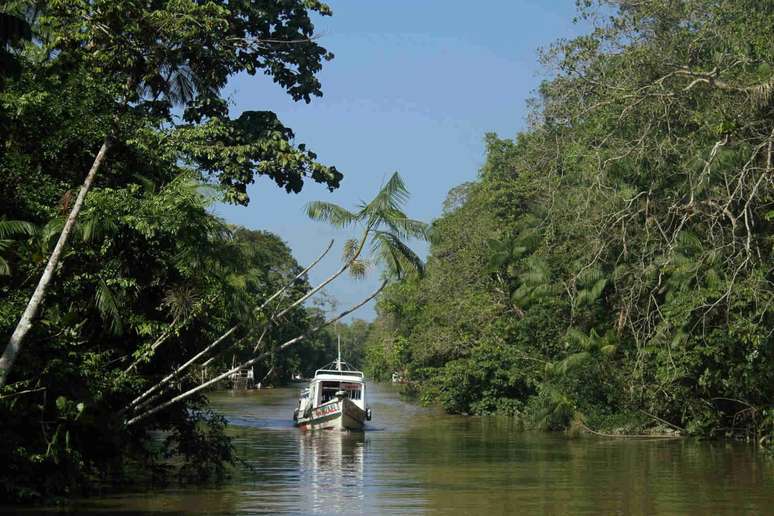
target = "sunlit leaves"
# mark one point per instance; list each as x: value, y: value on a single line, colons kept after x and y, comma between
x: 331, y: 214
x: 235, y: 152
x: 385, y: 225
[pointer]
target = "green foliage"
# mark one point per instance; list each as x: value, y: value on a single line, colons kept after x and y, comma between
x: 149, y: 277
x: 8, y: 229
x: 614, y: 260
x: 384, y: 224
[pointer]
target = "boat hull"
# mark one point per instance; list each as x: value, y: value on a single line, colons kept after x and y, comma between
x: 340, y: 414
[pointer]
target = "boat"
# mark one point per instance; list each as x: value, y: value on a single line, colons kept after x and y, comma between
x: 334, y: 400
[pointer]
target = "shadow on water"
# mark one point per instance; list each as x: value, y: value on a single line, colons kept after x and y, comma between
x: 417, y: 460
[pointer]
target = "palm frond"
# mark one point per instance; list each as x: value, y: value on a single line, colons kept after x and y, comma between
x: 180, y: 301
x: 574, y: 361
x: 182, y: 86
x: 52, y: 229
x: 108, y: 307
x: 389, y: 257
x: 330, y: 213
x: 405, y: 227
x: 391, y: 197
x: 762, y: 93
x: 689, y: 242
x: 95, y: 225
x: 589, y: 276
x: 10, y: 228
x: 396, y: 255
x: 575, y: 337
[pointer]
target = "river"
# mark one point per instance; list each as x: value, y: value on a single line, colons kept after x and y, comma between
x: 414, y: 460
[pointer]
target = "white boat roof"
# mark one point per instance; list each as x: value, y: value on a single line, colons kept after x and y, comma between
x: 339, y: 376
x: 338, y: 371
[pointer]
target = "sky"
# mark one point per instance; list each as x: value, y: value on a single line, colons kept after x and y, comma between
x: 414, y: 87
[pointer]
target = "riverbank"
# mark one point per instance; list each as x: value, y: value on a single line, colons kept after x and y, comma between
x: 414, y: 459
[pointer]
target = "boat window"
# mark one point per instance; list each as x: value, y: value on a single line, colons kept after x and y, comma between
x: 329, y: 390
x: 352, y: 391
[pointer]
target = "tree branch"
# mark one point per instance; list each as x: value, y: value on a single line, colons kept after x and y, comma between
x: 179, y: 370
x: 250, y: 362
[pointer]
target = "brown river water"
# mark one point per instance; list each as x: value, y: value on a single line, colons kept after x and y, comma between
x: 414, y: 460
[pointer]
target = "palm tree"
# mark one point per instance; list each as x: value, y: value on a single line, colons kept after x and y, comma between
x: 386, y: 226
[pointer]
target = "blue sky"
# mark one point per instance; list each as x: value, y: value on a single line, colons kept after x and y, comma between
x: 414, y: 87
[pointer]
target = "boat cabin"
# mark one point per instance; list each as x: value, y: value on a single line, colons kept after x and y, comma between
x: 327, y: 383
x: 335, y: 398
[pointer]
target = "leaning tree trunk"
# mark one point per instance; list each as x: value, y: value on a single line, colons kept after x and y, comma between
x: 249, y: 363
x: 25, y: 323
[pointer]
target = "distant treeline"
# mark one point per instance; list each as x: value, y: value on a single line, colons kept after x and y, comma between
x: 612, y: 266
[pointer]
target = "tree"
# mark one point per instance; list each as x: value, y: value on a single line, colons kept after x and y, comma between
x: 386, y: 225
x: 140, y: 61
x: 612, y: 263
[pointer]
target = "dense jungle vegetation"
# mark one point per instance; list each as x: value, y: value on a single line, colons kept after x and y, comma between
x: 611, y: 267
x: 129, y: 96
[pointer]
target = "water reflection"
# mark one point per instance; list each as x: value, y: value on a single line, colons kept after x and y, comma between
x: 415, y: 460
x: 332, y: 469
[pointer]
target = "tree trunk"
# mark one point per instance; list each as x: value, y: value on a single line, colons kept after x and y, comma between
x: 164, y: 336
x: 275, y: 316
x: 249, y: 363
x: 291, y: 282
x: 331, y: 277
x: 25, y: 323
x: 180, y: 369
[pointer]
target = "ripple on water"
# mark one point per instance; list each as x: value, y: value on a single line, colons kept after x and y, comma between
x: 416, y: 460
